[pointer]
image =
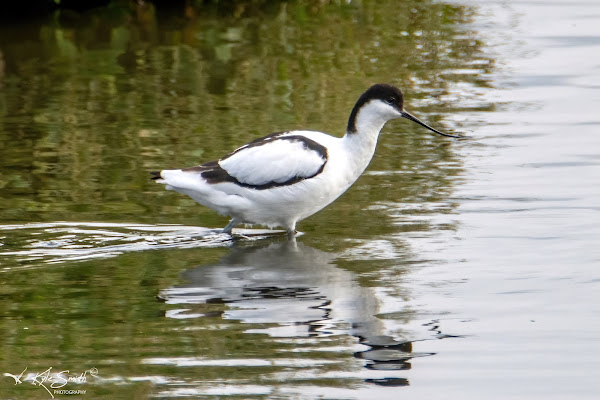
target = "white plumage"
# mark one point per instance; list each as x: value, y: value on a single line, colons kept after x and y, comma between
x: 277, y: 161
x: 285, y: 177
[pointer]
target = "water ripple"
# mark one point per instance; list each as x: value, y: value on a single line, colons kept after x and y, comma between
x: 37, y: 244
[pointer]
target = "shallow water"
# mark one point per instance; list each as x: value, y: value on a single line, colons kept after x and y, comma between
x: 452, y: 269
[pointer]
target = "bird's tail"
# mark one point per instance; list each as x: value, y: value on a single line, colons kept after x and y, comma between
x: 155, y: 175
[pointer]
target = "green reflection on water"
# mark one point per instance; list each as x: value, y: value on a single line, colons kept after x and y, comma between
x: 88, y: 107
x: 90, y: 103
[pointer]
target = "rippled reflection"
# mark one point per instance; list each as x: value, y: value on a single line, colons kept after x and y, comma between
x: 289, y: 284
x: 290, y: 290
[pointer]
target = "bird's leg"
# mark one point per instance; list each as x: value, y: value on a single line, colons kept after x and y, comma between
x: 232, y: 224
x: 291, y: 231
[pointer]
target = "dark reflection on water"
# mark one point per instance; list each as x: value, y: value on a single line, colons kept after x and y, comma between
x: 288, y: 284
x: 293, y: 291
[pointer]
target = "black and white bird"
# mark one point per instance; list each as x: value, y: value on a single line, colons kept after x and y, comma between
x: 282, y: 178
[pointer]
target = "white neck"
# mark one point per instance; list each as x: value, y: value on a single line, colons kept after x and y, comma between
x: 361, y: 143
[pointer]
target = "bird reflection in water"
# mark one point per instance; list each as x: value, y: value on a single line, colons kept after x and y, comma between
x: 296, y: 291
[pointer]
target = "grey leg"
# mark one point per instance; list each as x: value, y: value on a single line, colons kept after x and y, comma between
x: 232, y: 224
x: 291, y: 231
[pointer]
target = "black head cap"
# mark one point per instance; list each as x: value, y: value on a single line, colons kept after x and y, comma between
x: 380, y: 91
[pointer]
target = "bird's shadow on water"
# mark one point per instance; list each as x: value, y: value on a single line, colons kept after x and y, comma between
x: 295, y: 291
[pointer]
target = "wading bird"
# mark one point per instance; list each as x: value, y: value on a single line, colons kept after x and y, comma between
x: 282, y: 178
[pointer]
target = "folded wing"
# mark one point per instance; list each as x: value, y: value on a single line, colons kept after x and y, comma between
x: 273, y: 161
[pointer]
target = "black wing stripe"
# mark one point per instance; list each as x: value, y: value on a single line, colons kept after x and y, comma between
x: 213, y: 173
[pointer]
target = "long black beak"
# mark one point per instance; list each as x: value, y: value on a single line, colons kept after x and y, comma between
x: 407, y: 115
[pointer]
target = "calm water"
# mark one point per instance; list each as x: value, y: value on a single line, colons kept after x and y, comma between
x: 451, y: 270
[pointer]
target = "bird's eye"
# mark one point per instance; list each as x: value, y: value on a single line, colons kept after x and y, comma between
x: 390, y: 100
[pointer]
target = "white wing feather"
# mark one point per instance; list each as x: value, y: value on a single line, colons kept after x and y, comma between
x: 278, y: 160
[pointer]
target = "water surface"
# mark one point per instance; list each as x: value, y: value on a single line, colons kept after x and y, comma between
x: 452, y: 269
